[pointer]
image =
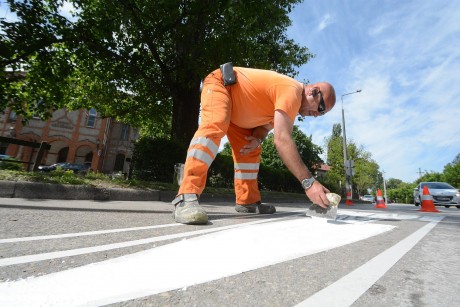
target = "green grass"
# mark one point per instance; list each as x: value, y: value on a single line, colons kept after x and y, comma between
x: 91, y: 179
x: 104, y: 181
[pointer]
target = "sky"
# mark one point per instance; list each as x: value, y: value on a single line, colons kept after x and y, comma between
x: 405, y: 57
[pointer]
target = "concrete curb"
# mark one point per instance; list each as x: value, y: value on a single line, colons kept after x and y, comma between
x: 7, y: 189
x: 38, y: 190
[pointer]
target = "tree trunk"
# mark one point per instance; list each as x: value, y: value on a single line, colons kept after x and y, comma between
x: 186, y: 110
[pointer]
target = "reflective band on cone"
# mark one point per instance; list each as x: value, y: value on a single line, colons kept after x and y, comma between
x: 349, y: 201
x: 427, y: 201
x: 380, y: 202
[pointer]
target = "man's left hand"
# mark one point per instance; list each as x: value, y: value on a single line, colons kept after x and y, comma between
x: 253, y: 143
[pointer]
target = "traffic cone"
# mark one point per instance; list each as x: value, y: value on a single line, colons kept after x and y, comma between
x: 380, y: 202
x: 427, y: 201
x: 349, y: 201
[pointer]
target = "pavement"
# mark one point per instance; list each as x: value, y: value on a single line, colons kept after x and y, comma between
x: 38, y: 190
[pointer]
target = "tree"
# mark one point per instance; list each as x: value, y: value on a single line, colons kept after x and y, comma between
x: 309, y: 152
x: 365, y: 174
x: 335, y: 178
x: 402, y: 194
x: 452, y: 172
x: 431, y: 176
x: 140, y: 61
x: 393, y: 183
x: 365, y: 168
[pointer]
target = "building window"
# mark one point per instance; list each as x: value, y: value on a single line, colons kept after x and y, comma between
x: 89, y: 158
x: 124, y: 133
x: 3, y: 147
x: 62, y: 155
x: 12, y: 116
x: 91, y: 118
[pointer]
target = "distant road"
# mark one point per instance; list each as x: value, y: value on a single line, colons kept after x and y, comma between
x: 132, y: 253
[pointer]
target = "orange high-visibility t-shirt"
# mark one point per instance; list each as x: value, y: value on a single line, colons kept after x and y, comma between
x: 258, y: 93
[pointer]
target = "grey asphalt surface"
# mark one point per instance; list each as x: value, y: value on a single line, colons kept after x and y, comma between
x: 427, y: 275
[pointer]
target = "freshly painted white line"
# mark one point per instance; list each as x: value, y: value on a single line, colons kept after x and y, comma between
x: 185, y: 263
x: 100, y: 248
x: 81, y: 234
x: 349, y: 288
x: 99, y: 232
x: 344, y: 214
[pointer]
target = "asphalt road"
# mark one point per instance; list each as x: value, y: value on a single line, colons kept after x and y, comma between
x: 121, y: 253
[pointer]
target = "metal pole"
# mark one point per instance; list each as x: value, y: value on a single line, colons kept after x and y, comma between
x: 384, y: 188
x: 344, y: 141
x: 349, y: 175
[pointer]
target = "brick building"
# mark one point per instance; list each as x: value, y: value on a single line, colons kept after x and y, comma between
x: 75, y: 136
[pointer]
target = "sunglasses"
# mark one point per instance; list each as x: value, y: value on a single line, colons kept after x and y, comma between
x: 322, y: 105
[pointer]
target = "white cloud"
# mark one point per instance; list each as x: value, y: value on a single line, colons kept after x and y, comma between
x: 325, y: 22
x: 406, y: 60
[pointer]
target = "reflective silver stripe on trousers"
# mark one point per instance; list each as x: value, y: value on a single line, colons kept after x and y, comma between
x: 200, y: 155
x: 245, y: 176
x: 247, y: 166
x: 206, y: 142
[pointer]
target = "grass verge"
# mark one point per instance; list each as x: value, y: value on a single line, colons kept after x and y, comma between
x: 100, y: 180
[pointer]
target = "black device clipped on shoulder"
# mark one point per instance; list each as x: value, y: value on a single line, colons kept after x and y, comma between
x: 228, y: 75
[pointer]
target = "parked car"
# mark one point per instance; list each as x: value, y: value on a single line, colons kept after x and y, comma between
x: 2, y: 157
x: 75, y: 167
x: 370, y: 198
x: 443, y: 194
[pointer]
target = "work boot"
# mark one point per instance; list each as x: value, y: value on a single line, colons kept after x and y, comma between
x: 187, y: 210
x: 253, y: 208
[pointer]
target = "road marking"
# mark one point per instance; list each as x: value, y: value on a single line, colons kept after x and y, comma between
x: 82, y: 234
x: 349, y: 288
x: 185, y: 263
x: 108, y: 231
x: 100, y: 248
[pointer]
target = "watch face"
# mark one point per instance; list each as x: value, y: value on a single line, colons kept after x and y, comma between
x: 307, y: 183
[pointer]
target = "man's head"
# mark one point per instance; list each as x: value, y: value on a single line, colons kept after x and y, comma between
x: 318, y: 99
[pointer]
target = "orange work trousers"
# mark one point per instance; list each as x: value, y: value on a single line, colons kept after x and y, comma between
x: 216, y: 108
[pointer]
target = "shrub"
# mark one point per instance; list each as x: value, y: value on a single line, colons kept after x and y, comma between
x: 10, y: 164
x: 154, y: 159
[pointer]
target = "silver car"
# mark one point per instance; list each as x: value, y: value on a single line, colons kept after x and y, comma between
x: 443, y: 194
x: 368, y: 198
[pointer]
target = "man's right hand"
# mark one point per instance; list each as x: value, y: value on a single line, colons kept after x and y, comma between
x: 317, y: 194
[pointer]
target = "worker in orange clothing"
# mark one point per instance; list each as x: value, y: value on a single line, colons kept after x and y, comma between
x: 245, y: 109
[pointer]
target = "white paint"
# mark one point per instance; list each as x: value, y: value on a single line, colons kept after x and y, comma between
x: 82, y: 234
x: 379, y: 215
x: 185, y: 263
x: 108, y: 231
x: 349, y: 288
x: 101, y: 248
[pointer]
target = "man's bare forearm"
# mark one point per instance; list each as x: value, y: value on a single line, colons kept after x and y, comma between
x: 291, y: 158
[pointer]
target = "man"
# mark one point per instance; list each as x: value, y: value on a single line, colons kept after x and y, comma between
x: 246, y: 111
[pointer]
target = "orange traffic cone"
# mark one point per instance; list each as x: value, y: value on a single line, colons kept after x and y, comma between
x: 380, y: 202
x: 349, y: 201
x: 427, y: 201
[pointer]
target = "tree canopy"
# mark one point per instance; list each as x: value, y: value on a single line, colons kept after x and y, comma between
x: 141, y: 61
x: 365, y: 168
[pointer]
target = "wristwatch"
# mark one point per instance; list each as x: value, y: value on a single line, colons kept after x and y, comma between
x: 307, y: 183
